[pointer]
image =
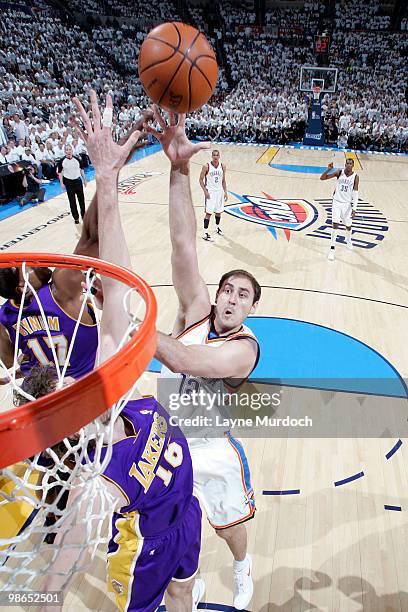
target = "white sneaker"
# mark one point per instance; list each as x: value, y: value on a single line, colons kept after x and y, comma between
x: 243, y: 586
x: 198, y: 592
x: 330, y: 256
x: 220, y: 232
x: 349, y: 245
x: 208, y: 237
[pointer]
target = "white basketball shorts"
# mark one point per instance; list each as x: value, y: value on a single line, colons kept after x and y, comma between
x: 216, y: 202
x: 222, y: 480
x: 341, y: 212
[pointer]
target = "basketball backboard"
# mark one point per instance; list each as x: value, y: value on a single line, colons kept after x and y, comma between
x: 317, y: 76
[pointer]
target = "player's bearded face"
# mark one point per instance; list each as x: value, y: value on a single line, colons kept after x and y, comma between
x: 234, y: 303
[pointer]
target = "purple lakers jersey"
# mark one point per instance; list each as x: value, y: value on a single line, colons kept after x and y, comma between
x: 152, y: 468
x: 33, y: 339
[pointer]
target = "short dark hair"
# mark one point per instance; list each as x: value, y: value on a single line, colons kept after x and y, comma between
x: 350, y: 159
x: 40, y: 381
x: 215, y: 151
x: 255, y: 285
x: 9, y: 279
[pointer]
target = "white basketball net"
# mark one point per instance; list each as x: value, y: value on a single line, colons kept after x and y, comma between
x: 35, y: 492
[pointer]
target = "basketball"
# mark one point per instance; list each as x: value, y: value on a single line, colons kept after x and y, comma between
x: 177, y: 67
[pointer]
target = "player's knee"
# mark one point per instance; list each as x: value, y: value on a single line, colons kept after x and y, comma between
x: 180, y: 590
x: 226, y: 534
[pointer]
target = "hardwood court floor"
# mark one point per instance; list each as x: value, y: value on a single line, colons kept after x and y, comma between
x: 328, y: 548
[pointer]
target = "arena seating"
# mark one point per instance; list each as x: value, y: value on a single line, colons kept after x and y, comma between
x: 47, y: 56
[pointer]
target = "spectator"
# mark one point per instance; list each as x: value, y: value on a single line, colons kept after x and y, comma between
x: 32, y: 185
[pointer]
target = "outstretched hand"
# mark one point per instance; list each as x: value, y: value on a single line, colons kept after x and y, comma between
x: 107, y: 157
x: 173, y: 139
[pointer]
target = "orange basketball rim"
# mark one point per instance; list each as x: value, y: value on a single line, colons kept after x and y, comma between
x: 37, y: 425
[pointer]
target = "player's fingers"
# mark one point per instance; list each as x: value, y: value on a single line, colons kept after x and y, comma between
x: 147, y: 128
x: 95, y: 110
x: 145, y: 118
x: 182, y: 120
x: 131, y: 142
x: 82, y: 133
x: 159, y: 117
x: 202, y: 146
x: 107, y: 116
x: 84, y: 114
x: 172, y: 118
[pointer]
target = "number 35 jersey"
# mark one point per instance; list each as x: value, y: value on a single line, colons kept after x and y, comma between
x: 152, y: 468
x: 33, y: 340
x: 343, y: 192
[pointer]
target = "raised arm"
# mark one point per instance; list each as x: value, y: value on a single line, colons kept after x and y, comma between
x: 325, y: 175
x: 108, y: 158
x: 67, y: 282
x: 192, y: 292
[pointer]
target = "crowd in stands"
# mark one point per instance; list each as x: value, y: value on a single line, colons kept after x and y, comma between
x: 368, y: 110
x: 45, y: 60
x: 360, y: 15
x: 306, y: 17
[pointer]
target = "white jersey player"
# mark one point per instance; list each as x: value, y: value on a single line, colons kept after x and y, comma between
x: 345, y: 201
x: 230, y: 500
x: 213, y: 183
x: 209, y: 345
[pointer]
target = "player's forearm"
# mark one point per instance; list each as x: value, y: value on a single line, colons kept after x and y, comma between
x: 202, y: 185
x: 182, y: 220
x: 174, y: 355
x: 113, y: 248
x: 194, y: 360
x: 89, y: 241
x: 324, y: 175
x: 6, y: 348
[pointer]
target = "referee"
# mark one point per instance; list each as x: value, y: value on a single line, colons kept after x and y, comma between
x: 69, y: 173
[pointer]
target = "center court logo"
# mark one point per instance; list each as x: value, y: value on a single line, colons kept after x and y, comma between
x: 286, y: 214
x: 128, y: 185
x: 369, y: 224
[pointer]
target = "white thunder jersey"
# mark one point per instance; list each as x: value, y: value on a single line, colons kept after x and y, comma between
x: 344, y: 188
x: 202, y: 333
x: 214, y: 176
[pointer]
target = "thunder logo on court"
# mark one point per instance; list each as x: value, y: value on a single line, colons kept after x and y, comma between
x: 286, y: 214
x: 292, y: 214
